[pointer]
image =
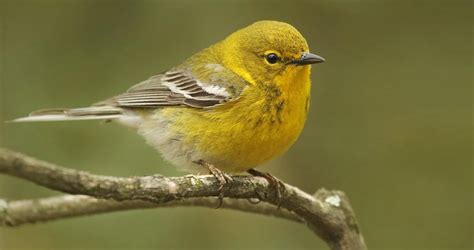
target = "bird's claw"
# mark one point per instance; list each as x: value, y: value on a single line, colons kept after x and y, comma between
x: 223, y: 179
x: 275, y: 182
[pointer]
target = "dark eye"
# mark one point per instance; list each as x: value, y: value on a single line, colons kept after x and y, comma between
x: 272, y: 58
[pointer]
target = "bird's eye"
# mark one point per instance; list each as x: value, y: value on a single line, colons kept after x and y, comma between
x: 272, y: 58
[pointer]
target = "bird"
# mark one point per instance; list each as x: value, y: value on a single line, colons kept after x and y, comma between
x: 226, y: 109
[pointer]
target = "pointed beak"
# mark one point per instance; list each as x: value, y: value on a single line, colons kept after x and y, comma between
x: 308, y: 58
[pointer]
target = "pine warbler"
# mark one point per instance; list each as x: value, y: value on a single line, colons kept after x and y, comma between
x: 229, y: 108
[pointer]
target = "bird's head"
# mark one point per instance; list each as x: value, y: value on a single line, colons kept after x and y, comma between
x: 265, y: 50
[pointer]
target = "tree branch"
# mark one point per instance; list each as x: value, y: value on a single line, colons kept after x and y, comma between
x: 327, y: 213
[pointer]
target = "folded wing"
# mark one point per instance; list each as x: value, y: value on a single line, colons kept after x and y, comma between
x: 173, y: 88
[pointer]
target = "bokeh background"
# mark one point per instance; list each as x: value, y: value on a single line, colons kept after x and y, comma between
x: 390, y: 120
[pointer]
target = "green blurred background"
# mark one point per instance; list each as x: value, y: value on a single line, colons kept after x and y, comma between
x: 390, y: 121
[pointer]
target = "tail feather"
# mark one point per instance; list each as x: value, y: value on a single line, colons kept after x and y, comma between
x: 58, y: 114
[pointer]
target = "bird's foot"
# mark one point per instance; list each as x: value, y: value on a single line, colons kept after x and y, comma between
x: 275, y: 182
x: 223, y: 179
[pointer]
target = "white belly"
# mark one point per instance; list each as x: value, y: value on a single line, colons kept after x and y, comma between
x: 157, y: 132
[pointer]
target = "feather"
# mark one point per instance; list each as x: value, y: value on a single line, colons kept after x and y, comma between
x: 89, y: 113
x: 173, y: 88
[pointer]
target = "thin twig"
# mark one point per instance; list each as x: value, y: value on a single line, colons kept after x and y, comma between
x: 19, y: 212
x: 327, y: 213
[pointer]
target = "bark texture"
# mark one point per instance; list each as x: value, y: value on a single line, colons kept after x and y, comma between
x: 327, y: 213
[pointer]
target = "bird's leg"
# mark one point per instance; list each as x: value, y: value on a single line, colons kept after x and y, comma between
x: 223, y: 178
x: 275, y: 182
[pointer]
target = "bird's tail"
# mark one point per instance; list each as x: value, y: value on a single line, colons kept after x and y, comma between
x: 59, y: 114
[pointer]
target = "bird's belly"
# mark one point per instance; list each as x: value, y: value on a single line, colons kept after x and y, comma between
x: 248, y: 145
x: 233, y: 143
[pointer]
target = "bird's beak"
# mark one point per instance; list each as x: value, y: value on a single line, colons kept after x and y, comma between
x: 308, y: 58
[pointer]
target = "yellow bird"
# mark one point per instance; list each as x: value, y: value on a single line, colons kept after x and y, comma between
x: 229, y: 108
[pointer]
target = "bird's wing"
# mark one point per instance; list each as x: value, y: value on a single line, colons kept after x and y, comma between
x: 177, y: 88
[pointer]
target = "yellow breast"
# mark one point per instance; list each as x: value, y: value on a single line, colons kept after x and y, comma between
x: 260, y: 125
